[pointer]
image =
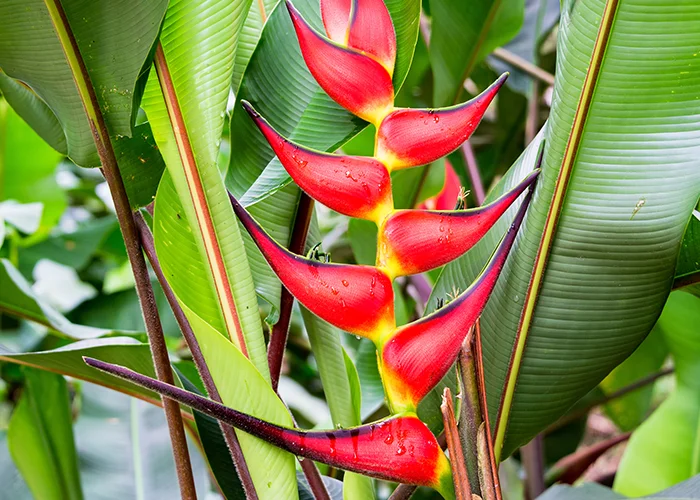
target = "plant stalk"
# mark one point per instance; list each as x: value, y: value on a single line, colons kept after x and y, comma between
x: 532, y: 457
x: 460, y: 477
x: 487, y: 479
x: 110, y: 170
x: 473, y: 171
x: 280, y: 331
x: 470, y: 414
x: 199, y: 361
x: 487, y: 438
x: 524, y: 65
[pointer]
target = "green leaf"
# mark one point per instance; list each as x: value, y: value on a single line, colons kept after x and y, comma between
x: 608, y: 269
x: 13, y: 486
x: 68, y: 360
x: 630, y: 410
x: 197, y: 238
x: 114, y: 39
x: 249, y: 37
x: 370, y: 380
x: 18, y: 299
x: 242, y: 387
x: 40, y: 438
x: 278, y: 84
x: 124, y: 449
x: 688, y: 266
x: 687, y: 490
x: 666, y: 448
x: 27, y: 168
x: 462, y: 35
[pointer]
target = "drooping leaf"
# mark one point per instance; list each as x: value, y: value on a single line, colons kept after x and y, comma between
x: 114, y: 40
x: 192, y: 216
x: 688, y: 267
x: 607, y: 271
x: 687, y: 490
x: 40, y: 438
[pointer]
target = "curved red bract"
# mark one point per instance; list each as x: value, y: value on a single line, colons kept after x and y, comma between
x: 414, y: 241
x: 398, y: 449
x: 357, y: 299
x: 372, y: 32
x: 357, y: 186
x: 336, y: 19
x: 408, y: 372
x: 355, y: 81
x: 410, y: 137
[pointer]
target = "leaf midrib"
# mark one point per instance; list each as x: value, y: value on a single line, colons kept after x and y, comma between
x: 550, y: 226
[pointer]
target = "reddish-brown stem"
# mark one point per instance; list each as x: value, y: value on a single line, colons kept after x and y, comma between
x: 280, y: 331
x: 460, y: 477
x: 487, y: 478
x: 570, y: 468
x: 470, y: 413
x: 199, y: 361
x: 313, y: 477
x: 485, y: 410
x: 154, y: 329
x: 473, y: 171
x: 532, y: 457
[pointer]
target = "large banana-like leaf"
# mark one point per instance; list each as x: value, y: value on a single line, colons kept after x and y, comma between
x: 114, y: 38
x: 463, y: 34
x: 196, y: 234
x: 621, y: 175
x: 258, y: 13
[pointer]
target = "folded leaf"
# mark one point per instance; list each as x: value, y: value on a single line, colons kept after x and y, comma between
x: 410, y: 137
x: 414, y: 241
x: 355, y: 81
x: 399, y: 448
x: 357, y: 299
x: 407, y: 371
x: 357, y: 186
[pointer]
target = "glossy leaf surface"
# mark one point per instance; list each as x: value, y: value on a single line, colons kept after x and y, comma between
x: 114, y: 40
x: 610, y: 263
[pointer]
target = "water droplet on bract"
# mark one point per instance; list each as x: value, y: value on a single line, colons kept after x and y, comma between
x: 440, y: 239
x: 345, y: 283
x: 374, y: 281
x: 401, y: 450
x: 442, y: 229
x: 342, y: 302
x: 334, y: 291
x: 347, y: 174
x: 389, y: 439
x: 410, y: 450
x: 436, y: 118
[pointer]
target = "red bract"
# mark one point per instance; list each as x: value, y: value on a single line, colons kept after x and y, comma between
x: 357, y: 186
x: 415, y: 357
x: 336, y: 19
x: 411, y: 137
x: 413, y: 241
x: 357, y: 299
x: 446, y: 199
x: 355, y: 81
x: 372, y: 32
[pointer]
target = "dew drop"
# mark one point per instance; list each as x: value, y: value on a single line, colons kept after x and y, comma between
x: 440, y: 239
x: 334, y: 291
x: 442, y: 229
x: 389, y: 439
x: 401, y: 450
x: 342, y: 302
x: 345, y: 283
x: 411, y: 450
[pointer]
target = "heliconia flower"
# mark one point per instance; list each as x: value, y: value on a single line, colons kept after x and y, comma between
x: 414, y: 241
x: 354, y: 80
x: 370, y: 29
x: 447, y: 197
x: 357, y: 299
x: 400, y: 448
x: 408, y: 371
x: 410, y: 137
x: 357, y: 186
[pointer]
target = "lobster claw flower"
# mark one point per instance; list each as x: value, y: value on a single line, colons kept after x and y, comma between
x: 356, y: 81
x: 408, y: 373
x: 357, y: 299
x: 357, y: 186
x: 370, y: 29
x: 414, y: 241
x: 400, y: 448
x: 410, y: 137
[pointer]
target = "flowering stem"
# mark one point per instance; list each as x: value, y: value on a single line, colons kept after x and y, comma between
x: 470, y: 414
x: 280, y: 331
x: 459, y: 469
